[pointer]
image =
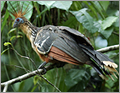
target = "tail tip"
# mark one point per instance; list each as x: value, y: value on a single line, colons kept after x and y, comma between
x: 110, y: 64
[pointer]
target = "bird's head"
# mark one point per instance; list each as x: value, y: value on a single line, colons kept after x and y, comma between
x: 17, y: 22
x: 19, y: 15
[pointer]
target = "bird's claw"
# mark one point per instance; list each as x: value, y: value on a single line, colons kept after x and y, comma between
x: 42, y: 67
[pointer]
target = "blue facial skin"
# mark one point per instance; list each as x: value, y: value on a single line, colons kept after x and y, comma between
x: 17, y: 22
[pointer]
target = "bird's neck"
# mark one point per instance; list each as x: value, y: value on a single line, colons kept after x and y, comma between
x: 30, y: 30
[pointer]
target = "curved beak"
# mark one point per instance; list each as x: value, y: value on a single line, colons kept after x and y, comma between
x: 15, y: 25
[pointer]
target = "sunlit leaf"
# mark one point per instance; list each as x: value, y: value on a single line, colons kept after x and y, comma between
x: 2, y: 5
x: 7, y: 43
x: 48, y: 4
x: 65, y: 5
x: 108, y: 21
x: 87, y: 21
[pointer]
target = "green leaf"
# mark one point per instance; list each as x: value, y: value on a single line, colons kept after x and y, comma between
x: 11, y: 31
x: 33, y: 89
x: 91, y: 8
x: 108, y: 21
x: 4, y: 20
x: 48, y: 4
x: 28, y: 82
x: 35, y: 80
x: 97, y: 24
x: 106, y: 33
x: 25, y: 4
x: 87, y: 21
x: 113, y: 39
x: 13, y: 37
x: 17, y: 86
x: 98, y: 7
x: 70, y: 22
x: 2, y: 5
x: 75, y: 76
x: 7, y: 43
x: 4, y: 51
x: 104, y: 4
x: 116, y: 24
x: 65, y: 5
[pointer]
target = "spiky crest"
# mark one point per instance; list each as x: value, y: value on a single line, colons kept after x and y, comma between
x: 19, y: 12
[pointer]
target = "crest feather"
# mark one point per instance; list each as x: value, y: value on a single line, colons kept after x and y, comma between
x: 19, y: 12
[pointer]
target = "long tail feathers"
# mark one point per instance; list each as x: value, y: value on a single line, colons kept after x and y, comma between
x: 110, y: 67
x: 101, y: 63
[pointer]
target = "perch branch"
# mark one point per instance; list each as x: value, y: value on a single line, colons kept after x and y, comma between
x: 26, y: 76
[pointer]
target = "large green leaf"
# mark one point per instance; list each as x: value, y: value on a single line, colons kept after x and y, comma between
x: 104, y: 4
x: 108, y: 21
x: 25, y: 4
x: 106, y: 33
x: 65, y: 5
x: 87, y: 21
x: 77, y: 76
x: 48, y: 4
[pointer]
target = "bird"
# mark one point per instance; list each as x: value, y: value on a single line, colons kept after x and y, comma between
x: 62, y: 44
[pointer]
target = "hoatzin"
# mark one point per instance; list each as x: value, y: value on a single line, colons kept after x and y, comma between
x: 63, y: 44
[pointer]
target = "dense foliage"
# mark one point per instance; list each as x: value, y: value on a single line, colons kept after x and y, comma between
x: 97, y: 20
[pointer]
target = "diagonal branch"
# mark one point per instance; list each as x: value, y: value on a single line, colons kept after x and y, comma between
x: 39, y: 71
x: 26, y: 76
x: 106, y: 49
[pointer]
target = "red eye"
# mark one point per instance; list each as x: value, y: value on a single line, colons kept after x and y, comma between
x: 18, y: 20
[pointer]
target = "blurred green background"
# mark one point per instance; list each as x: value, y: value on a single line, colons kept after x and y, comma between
x: 97, y: 20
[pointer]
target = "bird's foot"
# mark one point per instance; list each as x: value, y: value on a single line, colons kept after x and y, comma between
x: 42, y: 67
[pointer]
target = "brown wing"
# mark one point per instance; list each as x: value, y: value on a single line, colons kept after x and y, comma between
x: 62, y: 56
x: 59, y: 55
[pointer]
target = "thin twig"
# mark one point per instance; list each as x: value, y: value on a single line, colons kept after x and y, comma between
x: 115, y: 33
x: 50, y: 83
x: 26, y: 58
